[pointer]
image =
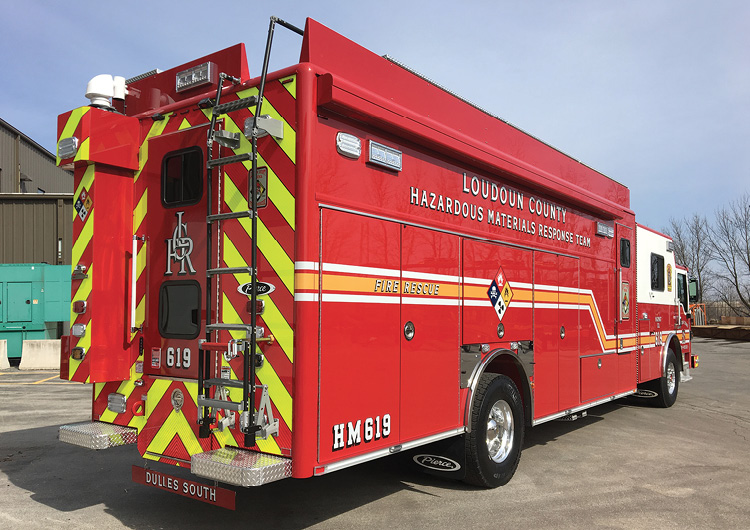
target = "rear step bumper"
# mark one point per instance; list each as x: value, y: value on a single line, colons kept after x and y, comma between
x: 240, y: 467
x: 98, y: 435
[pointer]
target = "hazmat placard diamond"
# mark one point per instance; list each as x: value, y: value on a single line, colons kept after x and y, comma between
x: 500, y: 293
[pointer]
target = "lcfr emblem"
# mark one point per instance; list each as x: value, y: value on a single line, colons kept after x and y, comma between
x: 179, y: 248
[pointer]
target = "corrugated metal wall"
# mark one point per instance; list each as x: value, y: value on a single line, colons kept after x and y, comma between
x: 37, y: 165
x: 36, y: 228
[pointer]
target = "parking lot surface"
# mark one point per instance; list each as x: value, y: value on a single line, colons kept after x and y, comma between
x: 625, y: 465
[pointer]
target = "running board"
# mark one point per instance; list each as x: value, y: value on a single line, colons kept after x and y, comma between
x: 98, y: 435
x: 240, y: 467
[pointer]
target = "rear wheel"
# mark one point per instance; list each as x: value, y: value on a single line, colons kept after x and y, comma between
x: 493, y: 448
x: 668, y: 385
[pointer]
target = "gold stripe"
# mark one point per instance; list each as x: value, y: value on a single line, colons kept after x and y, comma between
x: 266, y: 374
x: 70, y: 127
x: 306, y: 281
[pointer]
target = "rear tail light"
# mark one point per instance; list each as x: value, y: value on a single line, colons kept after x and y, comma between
x: 78, y: 330
x: 79, y: 306
x: 260, y: 307
x: 78, y: 353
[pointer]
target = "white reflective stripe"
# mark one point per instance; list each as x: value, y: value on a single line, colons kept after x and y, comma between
x: 305, y: 297
x: 479, y: 303
x: 477, y: 281
x: 427, y: 276
x: 354, y: 269
x: 361, y: 298
x: 430, y: 301
x: 306, y: 265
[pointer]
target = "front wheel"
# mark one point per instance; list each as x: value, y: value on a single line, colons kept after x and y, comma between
x: 493, y: 448
x: 670, y: 383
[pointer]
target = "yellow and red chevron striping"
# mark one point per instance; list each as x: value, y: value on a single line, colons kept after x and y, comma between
x: 82, y: 254
x: 167, y: 434
x: 163, y: 423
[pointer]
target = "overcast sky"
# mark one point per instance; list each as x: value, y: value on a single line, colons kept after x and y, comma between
x: 653, y: 93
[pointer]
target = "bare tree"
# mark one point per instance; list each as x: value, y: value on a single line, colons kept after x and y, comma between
x: 691, y: 236
x: 730, y: 249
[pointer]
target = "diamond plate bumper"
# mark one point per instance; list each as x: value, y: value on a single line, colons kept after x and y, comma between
x: 98, y: 435
x: 240, y: 467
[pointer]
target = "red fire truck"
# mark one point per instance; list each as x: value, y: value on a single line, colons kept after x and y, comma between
x: 286, y: 275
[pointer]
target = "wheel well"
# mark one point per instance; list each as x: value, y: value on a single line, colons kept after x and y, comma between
x: 509, y: 366
x: 674, y: 345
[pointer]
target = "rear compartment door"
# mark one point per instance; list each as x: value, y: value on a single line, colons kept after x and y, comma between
x: 175, y: 267
x: 430, y: 358
x: 360, y: 334
x: 381, y: 384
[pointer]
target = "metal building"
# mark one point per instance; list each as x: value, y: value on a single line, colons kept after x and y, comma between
x: 36, y: 202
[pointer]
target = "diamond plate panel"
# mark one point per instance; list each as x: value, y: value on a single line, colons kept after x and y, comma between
x: 239, y: 467
x: 98, y: 435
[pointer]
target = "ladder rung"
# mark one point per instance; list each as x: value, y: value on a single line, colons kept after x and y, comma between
x: 232, y: 383
x: 230, y: 327
x: 229, y: 215
x: 237, y: 104
x: 229, y: 160
x: 230, y: 270
x: 213, y: 346
x: 219, y: 404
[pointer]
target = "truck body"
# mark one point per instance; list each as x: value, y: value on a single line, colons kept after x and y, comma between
x: 413, y: 255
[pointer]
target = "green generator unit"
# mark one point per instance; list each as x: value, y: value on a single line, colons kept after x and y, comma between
x: 34, y: 301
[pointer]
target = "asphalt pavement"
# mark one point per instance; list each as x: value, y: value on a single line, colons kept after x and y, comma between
x: 625, y: 465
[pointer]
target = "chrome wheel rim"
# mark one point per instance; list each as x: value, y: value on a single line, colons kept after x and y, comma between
x: 671, y: 378
x: 500, y: 429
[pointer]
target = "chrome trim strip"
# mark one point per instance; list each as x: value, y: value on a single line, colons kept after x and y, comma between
x: 580, y: 408
x: 607, y: 352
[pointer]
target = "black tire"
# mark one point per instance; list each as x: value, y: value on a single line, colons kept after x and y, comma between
x: 500, y: 392
x: 667, y: 386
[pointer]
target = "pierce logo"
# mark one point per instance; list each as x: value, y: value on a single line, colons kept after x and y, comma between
x: 179, y: 248
x: 261, y: 288
x: 438, y: 463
